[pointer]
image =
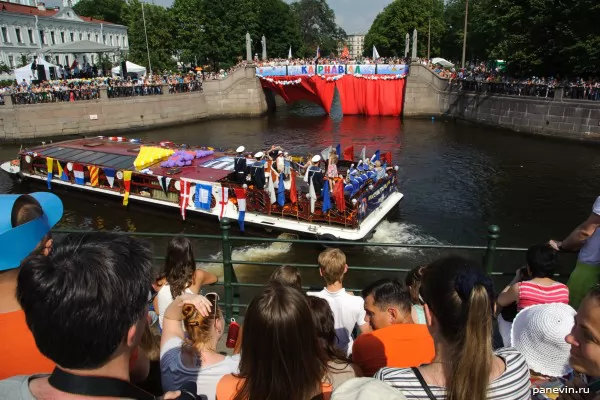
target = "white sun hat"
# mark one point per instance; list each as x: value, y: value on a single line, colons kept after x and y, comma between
x: 240, y: 149
x: 539, y: 332
x: 260, y: 154
x: 316, y: 158
x: 366, y: 389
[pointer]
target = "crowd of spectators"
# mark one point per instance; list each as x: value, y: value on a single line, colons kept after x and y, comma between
x: 80, y: 317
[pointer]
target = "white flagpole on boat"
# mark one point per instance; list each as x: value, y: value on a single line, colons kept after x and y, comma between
x: 146, y: 35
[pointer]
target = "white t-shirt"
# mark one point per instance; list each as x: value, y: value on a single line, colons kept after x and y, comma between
x: 164, y: 300
x: 590, y: 252
x: 174, y: 373
x: 348, y: 311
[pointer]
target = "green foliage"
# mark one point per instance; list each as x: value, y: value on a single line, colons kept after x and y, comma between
x: 24, y: 59
x: 160, y: 27
x: 4, y: 69
x: 281, y: 28
x: 388, y: 32
x: 106, y: 10
x: 317, y: 26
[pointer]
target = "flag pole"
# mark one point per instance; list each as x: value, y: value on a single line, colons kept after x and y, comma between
x: 146, y: 35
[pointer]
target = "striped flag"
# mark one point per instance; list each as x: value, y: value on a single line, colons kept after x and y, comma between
x: 110, y: 176
x: 184, y: 197
x: 127, y: 181
x: 164, y: 182
x: 93, y: 175
x: 78, y: 172
x: 62, y: 173
x: 222, y: 197
x: 50, y: 166
x: 240, y: 194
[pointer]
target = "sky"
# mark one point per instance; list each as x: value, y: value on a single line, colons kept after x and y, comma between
x: 355, y: 16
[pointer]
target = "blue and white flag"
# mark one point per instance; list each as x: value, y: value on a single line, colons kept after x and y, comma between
x: 325, y: 153
x: 78, y: 173
x: 376, y: 157
x: 240, y: 194
x: 326, y: 197
x: 203, y: 196
x: 363, y: 153
x: 110, y: 176
x: 281, y: 191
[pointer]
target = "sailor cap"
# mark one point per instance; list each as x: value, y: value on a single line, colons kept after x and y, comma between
x: 280, y: 152
x: 260, y: 154
x: 316, y: 158
x: 240, y: 149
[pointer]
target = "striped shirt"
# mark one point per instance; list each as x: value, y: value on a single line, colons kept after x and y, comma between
x: 513, y: 384
x: 531, y: 293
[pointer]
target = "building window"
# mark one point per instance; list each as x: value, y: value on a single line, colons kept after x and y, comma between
x: 97, y: 39
x: 42, y: 37
x: 30, y: 33
x: 72, y: 36
x: 67, y: 61
x: 57, y: 60
x: 62, y: 37
x: 89, y: 36
x: 4, y: 35
x: 104, y: 39
x: 47, y: 58
x: 11, y: 61
x: 123, y: 41
x: 18, y: 32
x: 52, y: 38
x: 81, y: 36
x: 111, y: 41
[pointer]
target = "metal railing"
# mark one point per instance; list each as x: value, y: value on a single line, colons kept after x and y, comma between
x: 133, y: 90
x: 582, y: 93
x: 55, y: 96
x: 231, y: 285
x: 509, y: 89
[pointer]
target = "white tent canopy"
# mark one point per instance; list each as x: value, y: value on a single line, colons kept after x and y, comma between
x: 131, y: 68
x: 444, y: 63
x: 81, y: 47
x: 29, y: 75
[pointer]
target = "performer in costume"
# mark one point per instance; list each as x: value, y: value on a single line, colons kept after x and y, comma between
x: 240, y: 165
x: 280, y: 162
x: 315, y: 174
x: 258, y: 171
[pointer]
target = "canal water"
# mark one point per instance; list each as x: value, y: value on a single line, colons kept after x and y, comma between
x: 457, y: 179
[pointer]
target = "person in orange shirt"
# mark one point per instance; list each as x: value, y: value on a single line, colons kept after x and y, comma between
x: 396, y: 341
x: 25, y: 223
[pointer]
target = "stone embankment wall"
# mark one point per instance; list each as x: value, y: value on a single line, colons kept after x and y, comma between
x: 428, y: 95
x: 240, y: 94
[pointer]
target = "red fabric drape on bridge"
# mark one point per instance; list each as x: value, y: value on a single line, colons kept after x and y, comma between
x: 313, y: 89
x: 371, y: 97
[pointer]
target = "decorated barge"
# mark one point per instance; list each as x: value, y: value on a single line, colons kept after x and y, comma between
x: 286, y: 194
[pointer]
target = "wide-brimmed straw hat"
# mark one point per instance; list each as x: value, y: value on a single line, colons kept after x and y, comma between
x: 539, y: 332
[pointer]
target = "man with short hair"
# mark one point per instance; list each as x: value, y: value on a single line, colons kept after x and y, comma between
x: 86, y: 304
x: 396, y: 341
x: 348, y: 310
x: 25, y: 223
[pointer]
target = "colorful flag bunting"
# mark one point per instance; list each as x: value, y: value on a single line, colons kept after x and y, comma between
x: 221, y: 197
x: 78, y: 172
x: 110, y: 176
x: 164, y: 182
x: 127, y: 181
x: 50, y: 166
x: 62, y: 173
x: 93, y: 175
x: 203, y: 196
x: 240, y: 194
x: 184, y: 196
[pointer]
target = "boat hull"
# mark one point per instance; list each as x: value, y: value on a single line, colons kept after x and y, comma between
x: 304, y: 228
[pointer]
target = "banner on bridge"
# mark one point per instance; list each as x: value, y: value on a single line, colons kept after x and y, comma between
x: 334, y: 69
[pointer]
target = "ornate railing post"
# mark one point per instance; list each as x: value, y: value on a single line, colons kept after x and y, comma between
x: 488, y: 260
x: 227, y: 268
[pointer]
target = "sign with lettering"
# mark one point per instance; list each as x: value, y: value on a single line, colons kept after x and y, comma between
x: 331, y: 69
x: 301, y: 70
x: 361, y: 69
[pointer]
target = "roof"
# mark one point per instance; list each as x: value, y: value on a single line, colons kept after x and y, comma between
x: 94, y: 21
x: 82, y: 46
x: 29, y: 10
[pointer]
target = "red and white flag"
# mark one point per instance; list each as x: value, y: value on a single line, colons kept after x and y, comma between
x: 240, y: 194
x: 222, y: 197
x: 184, y: 197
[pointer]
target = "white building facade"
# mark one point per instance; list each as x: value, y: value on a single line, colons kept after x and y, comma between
x: 28, y: 31
x: 356, y: 43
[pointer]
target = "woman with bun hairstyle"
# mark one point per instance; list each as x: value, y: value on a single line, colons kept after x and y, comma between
x: 191, y: 355
x: 459, y: 305
x: 182, y: 274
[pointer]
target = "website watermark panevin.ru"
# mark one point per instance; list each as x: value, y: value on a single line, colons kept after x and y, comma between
x: 559, y: 390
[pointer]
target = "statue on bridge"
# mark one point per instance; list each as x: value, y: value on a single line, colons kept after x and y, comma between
x: 407, y: 45
x: 248, y: 48
x: 414, y: 48
x: 264, y: 48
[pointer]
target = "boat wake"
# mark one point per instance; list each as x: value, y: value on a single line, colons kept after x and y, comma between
x: 267, y: 252
x: 402, y: 233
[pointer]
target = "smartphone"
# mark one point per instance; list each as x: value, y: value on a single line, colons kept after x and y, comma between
x: 594, y: 387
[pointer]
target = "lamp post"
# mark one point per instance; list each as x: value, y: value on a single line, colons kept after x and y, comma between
x: 146, y: 35
x: 464, y: 53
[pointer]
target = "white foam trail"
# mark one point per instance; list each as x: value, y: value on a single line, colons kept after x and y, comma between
x: 257, y: 253
x: 399, y: 232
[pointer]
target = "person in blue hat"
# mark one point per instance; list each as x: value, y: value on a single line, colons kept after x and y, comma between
x: 25, y: 223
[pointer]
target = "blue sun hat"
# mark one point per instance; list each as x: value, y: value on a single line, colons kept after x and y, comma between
x: 17, y: 243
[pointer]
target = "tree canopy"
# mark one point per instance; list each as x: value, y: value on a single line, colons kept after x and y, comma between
x: 106, y: 10
x: 317, y: 26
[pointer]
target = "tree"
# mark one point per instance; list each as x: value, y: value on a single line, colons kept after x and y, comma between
x: 317, y: 26
x: 279, y: 25
x: 388, y: 31
x: 160, y: 28
x: 106, y: 10
x: 188, y: 32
